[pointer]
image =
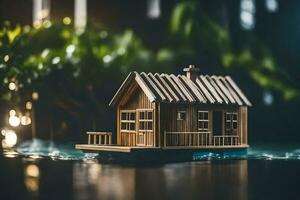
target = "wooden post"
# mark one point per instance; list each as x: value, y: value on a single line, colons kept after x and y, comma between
x: 95, y: 139
x: 89, y: 139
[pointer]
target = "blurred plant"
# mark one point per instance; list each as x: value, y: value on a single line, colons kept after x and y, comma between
x: 192, y: 30
x: 73, y: 74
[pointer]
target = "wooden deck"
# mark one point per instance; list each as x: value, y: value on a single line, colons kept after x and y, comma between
x: 113, y: 148
x: 128, y: 149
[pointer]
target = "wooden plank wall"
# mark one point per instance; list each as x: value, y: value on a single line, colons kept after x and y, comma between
x: 135, y: 99
x: 244, y: 124
x: 169, y: 122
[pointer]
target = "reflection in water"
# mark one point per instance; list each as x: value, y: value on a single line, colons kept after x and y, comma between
x: 31, y: 178
x: 204, y: 179
x: 92, y: 181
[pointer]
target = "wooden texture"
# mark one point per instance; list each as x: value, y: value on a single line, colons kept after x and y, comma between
x: 244, y: 124
x: 165, y: 95
x: 170, y: 88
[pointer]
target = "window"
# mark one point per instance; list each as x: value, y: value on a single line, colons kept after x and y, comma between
x: 145, y: 120
x: 181, y: 115
x: 203, y: 120
x: 128, y: 121
x: 231, y: 123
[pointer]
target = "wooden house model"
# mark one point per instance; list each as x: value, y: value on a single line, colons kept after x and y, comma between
x: 165, y: 111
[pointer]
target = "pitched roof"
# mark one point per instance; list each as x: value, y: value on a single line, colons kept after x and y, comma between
x: 170, y: 88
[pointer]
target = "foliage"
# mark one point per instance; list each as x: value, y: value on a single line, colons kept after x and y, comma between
x: 75, y: 75
x: 198, y: 33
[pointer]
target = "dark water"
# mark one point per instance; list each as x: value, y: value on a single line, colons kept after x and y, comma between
x: 42, y: 170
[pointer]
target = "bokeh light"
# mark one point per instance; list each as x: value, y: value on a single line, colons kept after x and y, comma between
x: 35, y: 96
x: 67, y: 20
x: 10, y: 139
x: 247, y: 14
x: 12, y: 113
x: 28, y: 105
x: 6, y: 58
x: 272, y: 5
x: 25, y: 120
x: 14, y: 121
x: 12, y: 86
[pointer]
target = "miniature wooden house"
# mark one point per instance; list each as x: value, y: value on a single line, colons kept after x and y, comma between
x: 183, y: 111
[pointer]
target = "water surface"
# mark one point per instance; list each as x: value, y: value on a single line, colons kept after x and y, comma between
x: 44, y: 170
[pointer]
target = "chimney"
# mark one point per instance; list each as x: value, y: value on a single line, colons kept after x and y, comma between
x: 191, y: 72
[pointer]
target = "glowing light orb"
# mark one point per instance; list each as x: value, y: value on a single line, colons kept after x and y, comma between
x: 12, y: 113
x: 25, y: 120
x: 67, y: 20
x: 70, y: 49
x: 14, y: 121
x: 272, y: 5
x: 6, y: 58
x: 55, y: 60
x: 28, y: 105
x: 12, y: 86
x: 35, y: 96
x: 10, y: 138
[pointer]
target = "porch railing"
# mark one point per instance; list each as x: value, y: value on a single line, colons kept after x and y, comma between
x: 194, y: 139
x: 226, y: 140
x: 186, y: 139
x: 99, y: 138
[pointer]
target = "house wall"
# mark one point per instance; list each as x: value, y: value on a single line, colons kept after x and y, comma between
x: 168, y: 118
x: 134, y: 99
x: 165, y: 115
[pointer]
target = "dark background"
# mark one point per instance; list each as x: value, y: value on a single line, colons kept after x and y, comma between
x: 278, y: 31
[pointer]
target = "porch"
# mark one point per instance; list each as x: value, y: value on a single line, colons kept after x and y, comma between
x: 102, y: 141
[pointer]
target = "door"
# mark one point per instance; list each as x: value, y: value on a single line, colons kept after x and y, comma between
x: 128, y: 127
x: 145, y: 136
x: 231, y: 123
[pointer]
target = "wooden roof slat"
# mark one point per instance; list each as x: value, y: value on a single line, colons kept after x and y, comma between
x: 183, y: 88
x: 216, y: 87
x: 156, y: 89
x: 231, y: 90
x: 211, y: 89
x: 165, y: 85
x: 125, y: 83
x: 174, y: 85
x: 159, y: 85
x: 205, y: 91
x: 171, y: 88
x: 194, y: 88
x: 224, y: 89
x: 145, y: 87
x: 238, y: 90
